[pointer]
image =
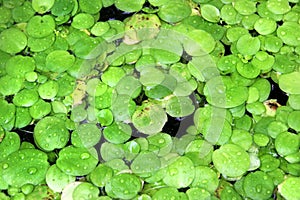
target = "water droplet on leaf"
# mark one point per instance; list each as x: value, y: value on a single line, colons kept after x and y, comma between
x: 84, y: 156
x: 5, y: 166
x: 32, y: 170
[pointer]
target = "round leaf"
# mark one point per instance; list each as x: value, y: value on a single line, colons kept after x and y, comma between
x: 40, y: 26
x: 59, y: 61
x: 129, y: 6
x: 174, y: 12
x: 77, y: 161
x: 26, y: 166
x: 180, y: 173
x: 12, y: 40
x: 210, y: 13
x: 149, y: 119
x: 258, y: 185
x: 248, y: 45
x: 289, y: 188
x: 42, y: 6
x: 123, y: 186
x: 287, y: 138
x: 231, y: 160
x: 86, y: 135
x: 50, y: 133
x: 26, y: 98
x: 56, y: 179
x: 288, y: 82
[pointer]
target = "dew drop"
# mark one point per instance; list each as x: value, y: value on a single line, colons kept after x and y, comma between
x: 5, y: 166
x: 173, y: 172
x: 84, y: 156
x: 258, y: 188
x: 161, y: 141
x: 22, y: 156
x: 32, y: 170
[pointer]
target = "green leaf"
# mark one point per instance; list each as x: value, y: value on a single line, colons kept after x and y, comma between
x: 162, y: 141
x: 5, y: 15
x: 122, y: 107
x: 100, y: 28
x: 179, y: 106
x: 50, y: 133
x: 42, y: 6
x: 117, y: 133
x: 12, y: 40
x: 130, y: 86
x: 129, y: 6
x: 230, y: 15
x: 287, y: 138
x: 86, y: 135
x: 84, y: 190
x: 205, y: 178
x: 112, y: 76
x: 149, y: 118
x: 90, y: 7
x: 271, y: 43
x: 180, y: 173
x: 278, y: 6
x: 258, y: 185
x: 105, y: 117
x: 56, y: 179
x: 26, y: 97
x: 197, y: 193
x: 151, y: 76
x: 248, y: 45
x: 173, y: 12
x: 22, y: 117
x: 59, y: 61
x: 10, y: 85
x: 242, y: 138
x: 221, y: 92
x: 294, y: 120
x: 166, y: 192
x: 286, y: 32
x: 265, y: 26
x: 62, y: 7
x: 294, y: 101
x: 48, y: 90
x: 101, y: 175
x: 123, y: 186
x: 110, y: 151
x: 268, y: 163
x: 199, y: 43
x: 210, y: 13
x: 7, y: 111
x: 145, y: 163
x: 9, y: 144
x: 23, y: 13
x: 288, y: 82
x: 77, y: 161
x: 245, y: 7
x: 40, y: 26
x: 289, y: 188
x: 41, y: 44
x: 19, y: 65
x: 231, y: 160
x: 82, y: 21
x: 26, y: 166
x: 165, y: 88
